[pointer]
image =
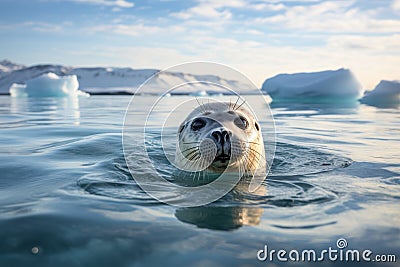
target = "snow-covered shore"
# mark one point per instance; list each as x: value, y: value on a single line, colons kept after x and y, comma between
x: 102, y: 80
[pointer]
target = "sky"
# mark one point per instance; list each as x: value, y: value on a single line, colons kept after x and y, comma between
x: 258, y: 38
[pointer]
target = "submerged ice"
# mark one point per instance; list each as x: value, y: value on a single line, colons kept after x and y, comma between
x: 336, y: 85
x: 48, y: 85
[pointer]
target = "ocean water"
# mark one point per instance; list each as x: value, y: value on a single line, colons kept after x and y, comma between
x: 67, y: 197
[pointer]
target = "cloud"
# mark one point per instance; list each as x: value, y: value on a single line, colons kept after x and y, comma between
x: 138, y: 56
x: 218, y: 9
x: 374, y: 44
x: 342, y: 33
x: 332, y: 17
x: 223, y: 3
x: 396, y: 5
x: 264, y: 6
x: 113, y: 3
x: 212, y: 9
x: 134, y: 30
x: 364, y: 55
x: 202, y: 11
x: 45, y: 27
x: 261, y: 38
x: 36, y: 26
x: 126, y: 29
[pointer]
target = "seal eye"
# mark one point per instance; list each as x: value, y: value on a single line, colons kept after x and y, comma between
x: 241, y: 122
x: 197, y: 124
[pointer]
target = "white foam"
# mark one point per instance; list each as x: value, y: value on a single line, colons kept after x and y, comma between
x: 48, y: 85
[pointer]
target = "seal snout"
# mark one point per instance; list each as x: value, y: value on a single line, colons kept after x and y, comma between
x: 222, y: 139
x: 221, y: 136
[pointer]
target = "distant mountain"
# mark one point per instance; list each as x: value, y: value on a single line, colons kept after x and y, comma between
x: 7, y: 66
x: 101, y: 80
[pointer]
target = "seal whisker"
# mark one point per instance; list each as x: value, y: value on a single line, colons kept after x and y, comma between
x: 199, y: 163
x: 200, y: 105
x: 234, y: 106
x: 194, y: 156
x: 256, y: 156
x: 191, y: 152
x: 245, y: 170
x: 189, y: 163
x: 198, y: 102
x: 243, y: 143
x: 188, y: 143
x: 254, y: 167
x: 249, y: 162
x: 205, y: 163
x: 185, y: 166
x: 190, y: 148
x: 246, y: 160
x: 257, y: 153
x: 242, y: 170
x: 249, y: 142
x: 189, y: 166
x: 244, y: 101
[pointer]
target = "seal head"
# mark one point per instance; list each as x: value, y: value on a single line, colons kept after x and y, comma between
x: 218, y: 137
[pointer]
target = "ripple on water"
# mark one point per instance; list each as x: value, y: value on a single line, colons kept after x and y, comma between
x: 295, y: 160
x: 286, y: 185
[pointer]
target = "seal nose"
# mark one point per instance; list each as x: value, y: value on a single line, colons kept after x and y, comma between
x: 222, y: 139
x: 221, y: 136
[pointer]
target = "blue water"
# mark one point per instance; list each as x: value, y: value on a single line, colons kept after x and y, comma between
x: 68, y: 199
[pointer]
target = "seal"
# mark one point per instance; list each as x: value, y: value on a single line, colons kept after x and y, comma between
x: 219, y: 137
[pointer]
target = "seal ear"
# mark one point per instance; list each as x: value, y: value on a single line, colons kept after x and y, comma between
x: 257, y: 126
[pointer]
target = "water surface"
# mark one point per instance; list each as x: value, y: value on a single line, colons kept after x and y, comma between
x: 68, y: 199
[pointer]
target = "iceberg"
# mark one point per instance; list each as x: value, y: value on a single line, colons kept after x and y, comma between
x: 315, y: 87
x: 48, y: 85
x: 111, y: 81
x: 199, y: 93
x: 386, y: 93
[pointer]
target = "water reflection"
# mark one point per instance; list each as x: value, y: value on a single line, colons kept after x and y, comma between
x: 317, y: 108
x: 220, y: 218
x: 225, y: 218
x: 383, y: 105
x: 51, y: 108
